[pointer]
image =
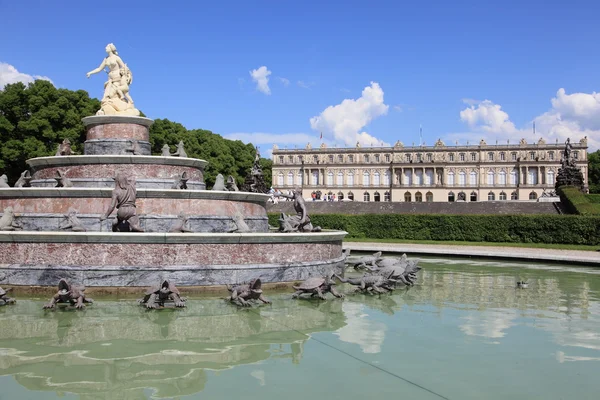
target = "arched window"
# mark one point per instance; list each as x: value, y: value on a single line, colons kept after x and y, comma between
x: 533, y: 176
x: 386, y: 178
x: 502, y: 178
x: 491, y: 196
x: 408, y: 177
x: 387, y: 197
x: 532, y: 196
x: 550, y: 178
x: 502, y: 196
x: 462, y: 178
x: 350, y: 196
x: 376, y: 179
x: 280, y: 179
x: 514, y: 177
x: 350, y: 179
x: 451, y: 179
x: 366, y: 179
x: 419, y: 197
x: 339, y: 180
x: 418, y: 177
x: 290, y: 179
x: 299, y: 179
x: 330, y: 178
x: 473, y: 196
x: 340, y: 196
x: 451, y: 197
x: 429, y: 197
x: 366, y: 196
x: 514, y: 196
x: 407, y: 197
x: 315, y: 178
x: 490, y: 178
x: 429, y: 177
x: 376, y: 197
x: 473, y: 178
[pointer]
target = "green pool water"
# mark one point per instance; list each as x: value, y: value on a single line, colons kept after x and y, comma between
x: 464, y: 332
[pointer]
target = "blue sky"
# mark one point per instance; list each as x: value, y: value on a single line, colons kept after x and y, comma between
x: 465, y: 70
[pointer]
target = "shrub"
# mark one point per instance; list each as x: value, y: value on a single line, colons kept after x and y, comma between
x: 577, y: 202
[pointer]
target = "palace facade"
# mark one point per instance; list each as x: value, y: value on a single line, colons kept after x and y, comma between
x: 481, y: 172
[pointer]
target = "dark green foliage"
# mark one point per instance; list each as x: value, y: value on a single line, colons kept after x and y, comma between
x: 564, y: 229
x: 34, y: 119
x: 594, y: 171
x: 577, y: 202
x: 226, y: 157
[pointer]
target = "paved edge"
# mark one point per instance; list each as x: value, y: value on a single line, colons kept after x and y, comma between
x: 588, y: 258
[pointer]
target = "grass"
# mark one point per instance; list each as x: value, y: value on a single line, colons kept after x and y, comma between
x: 494, y: 244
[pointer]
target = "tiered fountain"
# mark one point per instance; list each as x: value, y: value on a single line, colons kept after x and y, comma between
x: 208, y: 253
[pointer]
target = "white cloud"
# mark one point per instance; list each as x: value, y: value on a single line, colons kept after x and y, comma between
x: 284, y: 81
x: 398, y: 107
x: 261, y: 77
x: 571, y: 116
x: 346, y: 120
x: 9, y: 74
x: 305, y: 85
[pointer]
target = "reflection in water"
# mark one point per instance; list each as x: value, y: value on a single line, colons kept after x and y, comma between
x: 117, y: 350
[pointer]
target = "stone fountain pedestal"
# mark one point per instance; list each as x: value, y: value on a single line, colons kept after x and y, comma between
x: 212, y: 253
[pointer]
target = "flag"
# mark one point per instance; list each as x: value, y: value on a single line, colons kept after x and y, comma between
x: 321, y: 138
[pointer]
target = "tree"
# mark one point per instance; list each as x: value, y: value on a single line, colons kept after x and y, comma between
x: 594, y: 171
x: 34, y: 119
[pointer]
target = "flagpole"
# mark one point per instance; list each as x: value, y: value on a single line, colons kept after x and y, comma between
x: 420, y: 135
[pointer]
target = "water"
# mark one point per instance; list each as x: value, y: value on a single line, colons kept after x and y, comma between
x: 464, y: 332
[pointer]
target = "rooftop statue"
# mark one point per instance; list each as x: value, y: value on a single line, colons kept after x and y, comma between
x: 123, y: 199
x: 116, y: 99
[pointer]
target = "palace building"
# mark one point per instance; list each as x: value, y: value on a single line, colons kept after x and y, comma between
x: 441, y: 172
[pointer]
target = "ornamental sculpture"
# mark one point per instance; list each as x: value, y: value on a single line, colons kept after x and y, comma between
x: 299, y: 222
x: 116, y: 99
x: 123, y: 199
x: 68, y: 294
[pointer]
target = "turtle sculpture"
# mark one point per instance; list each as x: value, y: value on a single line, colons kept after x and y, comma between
x: 392, y: 261
x: 4, y: 299
x: 403, y: 272
x: 372, y: 283
x: 157, y: 296
x: 367, y: 262
x: 317, y: 286
x: 244, y: 293
x: 68, y: 294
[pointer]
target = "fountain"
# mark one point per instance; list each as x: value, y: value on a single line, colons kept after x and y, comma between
x: 189, y: 236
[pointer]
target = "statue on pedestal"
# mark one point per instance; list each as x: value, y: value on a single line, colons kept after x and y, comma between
x: 116, y: 99
x: 123, y: 199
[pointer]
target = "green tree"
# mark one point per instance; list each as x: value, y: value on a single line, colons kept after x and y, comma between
x: 594, y: 171
x: 35, y: 118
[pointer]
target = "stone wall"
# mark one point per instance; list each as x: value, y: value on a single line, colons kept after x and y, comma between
x: 482, y: 208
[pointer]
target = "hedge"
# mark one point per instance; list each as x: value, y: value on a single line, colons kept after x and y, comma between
x: 564, y: 229
x: 577, y: 202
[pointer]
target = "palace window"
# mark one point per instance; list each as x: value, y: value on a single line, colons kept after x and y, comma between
x: 473, y: 156
x: 376, y: 197
x: 280, y: 179
x: 550, y: 178
x: 350, y: 196
x: 366, y: 158
x: 451, y: 157
x: 340, y: 196
x: 514, y: 176
x: 315, y: 158
x: 387, y: 158
x: 315, y: 178
x: 429, y: 157
x: 350, y: 179
x: 490, y: 178
x: 291, y: 159
x: 408, y: 177
x: 451, y: 197
x: 366, y: 196
x: 551, y: 156
x: 407, y: 197
x: 491, y: 196
x: 502, y: 156
x: 377, y: 159
x: 366, y: 179
x: 450, y: 178
x: 386, y: 178
x: 473, y: 196
x: 290, y: 179
x: 350, y: 158
x: 407, y: 157
x: 419, y: 157
x: 490, y: 156
x: 513, y: 156
x: 502, y: 178
x: 387, y: 197
x: 331, y: 158
x: 502, y: 196
x: 514, y: 196
x: 533, y: 176
x: 418, y: 197
x: 429, y: 177
x: 418, y: 177
x: 299, y: 178
x: 532, y: 155
x: 330, y: 178
x: 473, y: 178
x: 376, y: 180
x: 280, y: 159
x: 532, y: 196
x: 340, y: 158
x: 339, y: 180
x: 461, y: 156
x: 429, y: 197
x: 462, y: 178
